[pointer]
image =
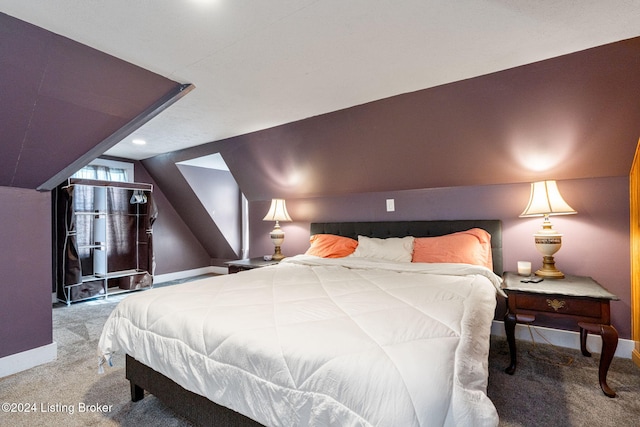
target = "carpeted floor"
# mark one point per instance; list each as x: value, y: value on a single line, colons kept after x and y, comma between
x: 70, y: 392
x: 555, y: 386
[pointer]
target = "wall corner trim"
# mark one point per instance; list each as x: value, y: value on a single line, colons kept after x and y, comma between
x: 22, y: 361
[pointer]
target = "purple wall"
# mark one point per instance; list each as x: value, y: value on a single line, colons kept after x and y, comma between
x: 595, y: 242
x: 468, y: 150
x: 175, y: 246
x: 570, y: 117
x: 25, y: 270
x: 165, y: 172
x: 463, y: 150
x: 60, y: 99
x: 221, y: 198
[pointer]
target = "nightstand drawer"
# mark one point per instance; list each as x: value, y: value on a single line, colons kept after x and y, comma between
x: 559, y: 304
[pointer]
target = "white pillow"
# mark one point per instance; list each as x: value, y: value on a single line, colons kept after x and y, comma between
x: 390, y: 249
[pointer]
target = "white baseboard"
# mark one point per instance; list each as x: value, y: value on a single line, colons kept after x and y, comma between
x: 22, y: 361
x: 161, y: 278
x: 560, y: 338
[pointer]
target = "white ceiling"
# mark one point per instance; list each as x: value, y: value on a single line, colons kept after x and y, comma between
x: 258, y: 64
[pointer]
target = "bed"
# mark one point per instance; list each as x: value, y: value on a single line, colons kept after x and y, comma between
x: 358, y: 340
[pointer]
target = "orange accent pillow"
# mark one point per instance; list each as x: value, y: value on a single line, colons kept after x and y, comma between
x: 331, y: 246
x: 468, y: 247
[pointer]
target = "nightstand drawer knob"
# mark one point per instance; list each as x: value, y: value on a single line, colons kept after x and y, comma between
x: 555, y: 304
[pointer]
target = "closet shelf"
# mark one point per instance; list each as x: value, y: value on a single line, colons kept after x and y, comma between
x: 112, y: 275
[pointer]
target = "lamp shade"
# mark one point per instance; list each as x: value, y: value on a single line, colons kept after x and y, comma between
x: 545, y: 199
x: 277, y: 211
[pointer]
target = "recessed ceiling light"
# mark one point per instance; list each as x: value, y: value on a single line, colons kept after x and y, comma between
x: 139, y: 141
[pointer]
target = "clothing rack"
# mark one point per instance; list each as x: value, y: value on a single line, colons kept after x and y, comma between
x: 85, y: 256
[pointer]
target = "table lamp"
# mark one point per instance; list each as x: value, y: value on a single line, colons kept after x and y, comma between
x: 277, y: 212
x: 545, y: 200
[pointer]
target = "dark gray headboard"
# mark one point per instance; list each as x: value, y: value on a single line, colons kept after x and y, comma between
x: 384, y: 229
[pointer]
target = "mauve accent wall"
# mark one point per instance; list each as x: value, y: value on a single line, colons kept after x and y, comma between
x: 175, y: 246
x: 25, y: 270
x: 574, y: 116
x: 60, y: 99
x: 468, y: 150
x: 465, y: 150
x: 595, y: 242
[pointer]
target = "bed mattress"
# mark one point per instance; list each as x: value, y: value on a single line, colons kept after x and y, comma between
x: 313, y: 341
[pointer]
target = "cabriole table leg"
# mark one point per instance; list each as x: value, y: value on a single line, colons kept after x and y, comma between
x: 510, y: 329
x: 609, y: 344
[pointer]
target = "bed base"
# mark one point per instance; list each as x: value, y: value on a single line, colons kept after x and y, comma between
x: 191, y: 406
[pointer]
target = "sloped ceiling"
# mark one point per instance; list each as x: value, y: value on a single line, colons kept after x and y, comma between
x: 63, y: 102
x: 257, y: 64
x: 575, y: 116
x: 572, y: 116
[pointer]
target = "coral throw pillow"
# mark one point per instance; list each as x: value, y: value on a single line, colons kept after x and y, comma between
x: 331, y: 246
x: 468, y: 247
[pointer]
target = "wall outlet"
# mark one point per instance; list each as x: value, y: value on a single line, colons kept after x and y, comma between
x: 391, y: 205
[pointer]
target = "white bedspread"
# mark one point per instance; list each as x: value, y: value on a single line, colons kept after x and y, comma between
x: 312, y: 341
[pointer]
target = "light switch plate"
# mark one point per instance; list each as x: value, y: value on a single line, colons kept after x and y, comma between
x: 391, y: 205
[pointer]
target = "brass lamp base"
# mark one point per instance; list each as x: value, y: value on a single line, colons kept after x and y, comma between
x: 277, y: 255
x: 549, y: 270
x: 548, y: 242
x: 277, y: 237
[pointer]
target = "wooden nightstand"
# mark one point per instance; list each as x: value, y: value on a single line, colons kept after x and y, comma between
x: 248, y: 264
x: 574, y: 303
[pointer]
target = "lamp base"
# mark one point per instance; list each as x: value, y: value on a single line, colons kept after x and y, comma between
x: 549, y: 270
x: 277, y: 237
x: 277, y: 255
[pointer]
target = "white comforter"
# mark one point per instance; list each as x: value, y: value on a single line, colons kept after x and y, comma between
x: 311, y: 341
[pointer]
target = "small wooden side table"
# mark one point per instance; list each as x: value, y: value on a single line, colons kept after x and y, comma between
x: 576, y: 303
x: 248, y: 264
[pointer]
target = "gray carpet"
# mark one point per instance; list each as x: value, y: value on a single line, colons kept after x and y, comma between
x: 555, y: 386
x: 539, y: 394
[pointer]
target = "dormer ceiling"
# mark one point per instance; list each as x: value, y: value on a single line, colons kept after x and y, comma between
x: 62, y: 104
x: 259, y: 64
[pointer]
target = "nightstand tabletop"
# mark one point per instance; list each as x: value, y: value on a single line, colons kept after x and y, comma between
x: 250, y: 263
x: 578, y: 286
